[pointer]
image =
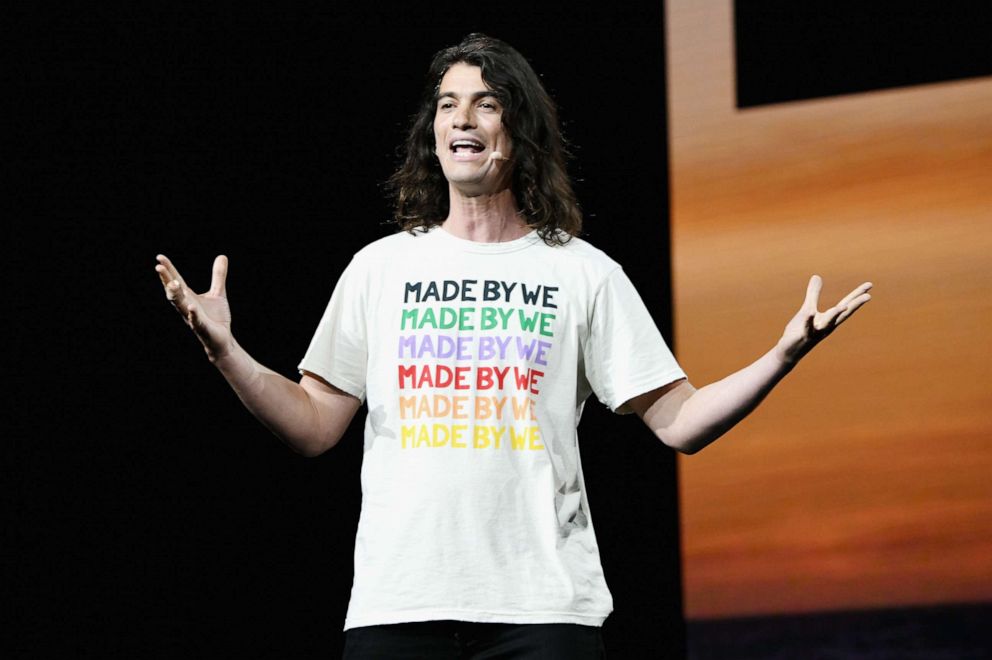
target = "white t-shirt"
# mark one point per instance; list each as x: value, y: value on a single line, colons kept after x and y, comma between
x: 476, y: 360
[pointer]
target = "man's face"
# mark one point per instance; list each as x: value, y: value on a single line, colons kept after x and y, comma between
x: 468, y: 129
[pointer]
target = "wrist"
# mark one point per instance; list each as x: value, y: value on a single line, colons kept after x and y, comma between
x: 227, y: 356
x: 787, y: 353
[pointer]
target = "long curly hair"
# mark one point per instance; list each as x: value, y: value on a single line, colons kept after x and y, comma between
x: 540, y: 184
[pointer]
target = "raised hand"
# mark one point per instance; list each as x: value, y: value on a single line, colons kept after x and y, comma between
x: 809, y: 326
x: 207, y: 314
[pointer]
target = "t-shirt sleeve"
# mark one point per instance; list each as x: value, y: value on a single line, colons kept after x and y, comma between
x: 338, y: 352
x: 625, y: 354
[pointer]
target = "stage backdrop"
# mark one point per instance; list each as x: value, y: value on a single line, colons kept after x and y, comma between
x: 864, y: 480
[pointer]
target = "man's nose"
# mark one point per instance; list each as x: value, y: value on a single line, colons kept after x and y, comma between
x: 464, y: 118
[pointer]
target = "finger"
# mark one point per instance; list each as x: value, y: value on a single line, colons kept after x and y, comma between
x: 193, y: 319
x: 853, y: 306
x: 176, y: 294
x: 163, y: 275
x: 829, y: 318
x: 813, y: 293
x: 165, y: 267
x: 854, y: 294
x: 170, y: 270
x: 218, y: 283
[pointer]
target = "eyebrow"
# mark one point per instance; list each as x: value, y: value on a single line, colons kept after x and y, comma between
x: 474, y: 96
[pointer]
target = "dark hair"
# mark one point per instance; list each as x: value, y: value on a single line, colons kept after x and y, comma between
x: 540, y: 184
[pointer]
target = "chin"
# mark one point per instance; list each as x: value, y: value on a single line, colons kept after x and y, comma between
x: 463, y: 178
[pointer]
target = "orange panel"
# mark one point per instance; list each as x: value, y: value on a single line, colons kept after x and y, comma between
x: 866, y: 478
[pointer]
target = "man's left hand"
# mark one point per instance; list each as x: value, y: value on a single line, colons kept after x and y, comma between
x: 809, y: 326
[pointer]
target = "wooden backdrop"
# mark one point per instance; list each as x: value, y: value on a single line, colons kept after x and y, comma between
x: 866, y: 479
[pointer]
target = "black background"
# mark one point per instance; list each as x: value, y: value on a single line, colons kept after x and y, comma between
x: 151, y: 515
x: 789, y: 51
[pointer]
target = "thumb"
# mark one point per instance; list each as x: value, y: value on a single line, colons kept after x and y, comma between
x: 218, y: 282
x: 813, y: 293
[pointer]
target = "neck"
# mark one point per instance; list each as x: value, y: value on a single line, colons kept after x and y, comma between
x: 484, y: 218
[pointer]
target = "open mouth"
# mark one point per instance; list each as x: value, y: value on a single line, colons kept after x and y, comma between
x: 467, y: 147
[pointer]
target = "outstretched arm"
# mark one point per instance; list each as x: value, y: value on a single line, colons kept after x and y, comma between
x: 688, y: 419
x: 309, y: 416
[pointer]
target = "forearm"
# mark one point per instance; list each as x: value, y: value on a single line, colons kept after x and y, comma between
x: 283, y: 406
x: 711, y: 411
x: 687, y: 419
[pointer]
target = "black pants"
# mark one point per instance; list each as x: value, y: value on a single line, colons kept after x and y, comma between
x: 461, y: 640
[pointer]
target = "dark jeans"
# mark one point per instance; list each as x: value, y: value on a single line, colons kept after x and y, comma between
x: 461, y: 640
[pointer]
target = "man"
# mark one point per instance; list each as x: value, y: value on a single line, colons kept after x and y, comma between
x: 476, y: 337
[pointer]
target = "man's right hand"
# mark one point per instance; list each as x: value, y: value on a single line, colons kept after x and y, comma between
x: 310, y: 416
x: 207, y: 314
